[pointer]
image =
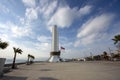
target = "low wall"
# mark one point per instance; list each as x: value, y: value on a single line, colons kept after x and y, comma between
x: 8, y: 65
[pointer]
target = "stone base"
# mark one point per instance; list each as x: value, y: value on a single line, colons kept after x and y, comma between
x: 55, y: 53
x: 54, y: 57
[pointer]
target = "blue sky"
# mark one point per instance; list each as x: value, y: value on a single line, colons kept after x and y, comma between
x: 84, y: 26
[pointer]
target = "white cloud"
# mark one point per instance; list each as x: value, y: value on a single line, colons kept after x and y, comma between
x: 19, y: 31
x: 14, y: 30
x: 4, y: 26
x: 95, y: 25
x: 22, y: 20
x: 30, y: 3
x: 51, y: 8
x: 93, y: 29
x: 85, y: 10
x: 5, y: 31
x: 52, y: 13
x: 47, y: 7
x: 65, y: 16
x: 31, y: 14
x: 44, y: 43
x: 43, y: 46
x: 87, y: 40
x: 44, y: 39
x: 43, y: 9
x: 4, y: 37
x: 4, y: 9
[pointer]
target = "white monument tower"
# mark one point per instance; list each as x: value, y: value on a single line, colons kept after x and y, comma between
x: 55, y: 52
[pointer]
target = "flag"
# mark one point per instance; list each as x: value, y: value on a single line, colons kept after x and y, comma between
x: 62, y: 48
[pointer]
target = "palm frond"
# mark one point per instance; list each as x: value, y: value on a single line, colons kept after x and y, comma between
x: 3, y: 45
x: 116, y: 39
x: 31, y: 56
x: 17, y: 50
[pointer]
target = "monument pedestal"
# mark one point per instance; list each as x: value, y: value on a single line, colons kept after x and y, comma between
x: 55, y: 57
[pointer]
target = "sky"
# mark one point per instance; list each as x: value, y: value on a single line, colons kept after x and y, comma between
x: 84, y: 26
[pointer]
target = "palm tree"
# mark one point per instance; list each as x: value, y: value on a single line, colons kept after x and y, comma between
x: 97, y: 57
x: 3, y: 45
x: 116, y: 39
x: 31, y: 57
x: 28, y: 59
x: 105, y: 55
x: 16, y: 50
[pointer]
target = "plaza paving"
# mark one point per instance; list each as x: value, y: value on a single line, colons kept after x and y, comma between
x: 66, y: 71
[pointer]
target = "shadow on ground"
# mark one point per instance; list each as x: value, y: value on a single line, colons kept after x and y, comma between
x: 25, y: 69
x: 13, y: 78
x: 40, y: 64
x: 47, y: 78
x: 7, y: 69
x: 45, y: 70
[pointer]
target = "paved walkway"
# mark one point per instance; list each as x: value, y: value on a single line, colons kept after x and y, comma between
x: 66, y: 71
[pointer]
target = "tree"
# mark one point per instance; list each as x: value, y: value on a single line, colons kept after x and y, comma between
x: 3, y: 45
x: 105, y: 55
x: 88, y: 58
x: 116, y: 56
x: 16, y: 50
x: 30, y: 59
x: 97, y: 57
x: 116, y: 39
